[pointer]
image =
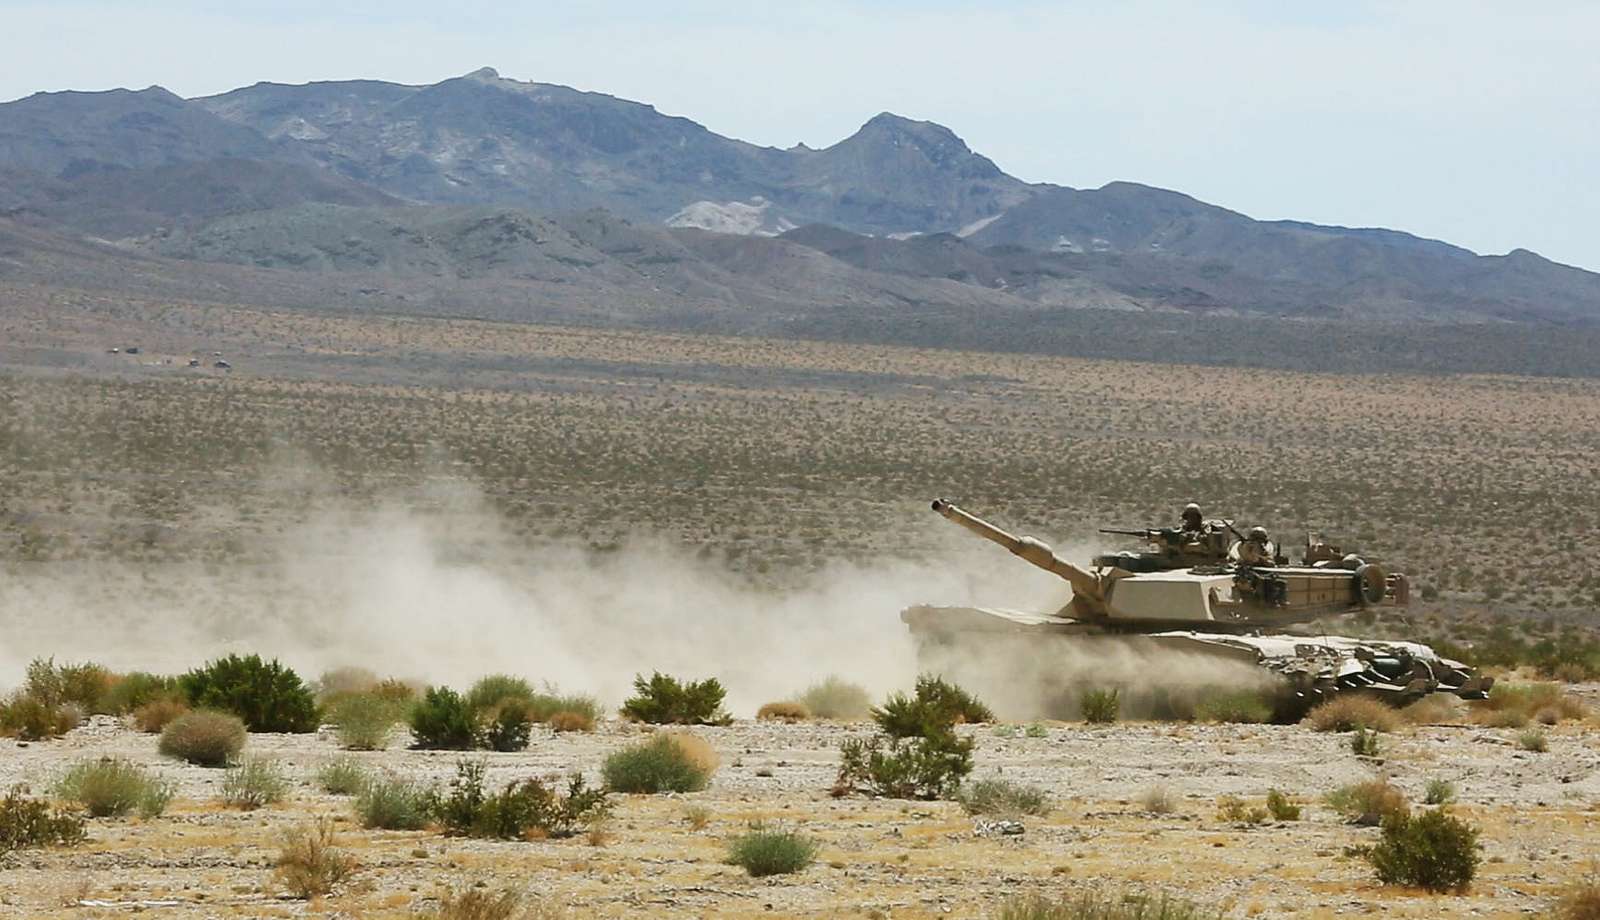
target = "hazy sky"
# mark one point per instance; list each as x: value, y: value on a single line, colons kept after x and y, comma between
x: 1476, y: 123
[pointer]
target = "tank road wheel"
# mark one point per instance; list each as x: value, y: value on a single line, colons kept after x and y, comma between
x: 1371, y: 583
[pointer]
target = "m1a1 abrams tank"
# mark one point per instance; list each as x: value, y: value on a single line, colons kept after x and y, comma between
x: 1201, y: 599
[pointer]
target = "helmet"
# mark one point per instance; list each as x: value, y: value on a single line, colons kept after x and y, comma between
x: 1191, y: 512
x: 1258, y: 534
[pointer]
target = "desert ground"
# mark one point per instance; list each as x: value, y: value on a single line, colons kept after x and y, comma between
x: 449, y: 498
x: 882, y: 858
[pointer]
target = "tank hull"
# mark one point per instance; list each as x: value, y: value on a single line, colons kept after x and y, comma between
x: 1039, y: 663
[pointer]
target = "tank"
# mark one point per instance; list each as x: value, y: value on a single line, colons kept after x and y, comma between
x: 1202, y: 605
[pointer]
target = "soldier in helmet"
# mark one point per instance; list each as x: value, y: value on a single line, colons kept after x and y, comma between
x: 1192, y: 521
x: 1256, y: 548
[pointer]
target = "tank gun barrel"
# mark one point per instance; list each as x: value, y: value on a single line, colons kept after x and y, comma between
x: 1035, y: 551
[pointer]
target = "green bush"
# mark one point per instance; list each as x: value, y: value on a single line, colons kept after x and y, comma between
x: 268, y: 696
x: 1101, y: 905
x: 203, y: 737
x: 495, y: 689
x: 29, y: 718
x: 253, y: 784
x: 394, y: 805
x: 26, y: 822
x: 1533, y: 739
x: 1364, y: 742
x: 1368, y: 803
x: 1279, y: 806
x: 137, y: 689
x: 441, y: 720
x: 932, y: 709
x: 510, y: 726
x: 112, y: 787
x: 999, y: 797
x: 523, y: 809
x: 1439, y: 792
x: 930, y: 767
x: 762, y: 851
x: 345, y: 776
x: 1100, y: 707
x: 657, y: 765
x: 1224, y: 705
x: 835, y: 698
x: 663, y: 700
x: 364, y: 721
x: 545, y: 705
x: 1432, y: 850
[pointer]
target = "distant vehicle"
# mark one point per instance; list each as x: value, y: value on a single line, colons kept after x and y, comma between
x: 223, y: 365
x: 1206, y: 591
x: 131, y: 350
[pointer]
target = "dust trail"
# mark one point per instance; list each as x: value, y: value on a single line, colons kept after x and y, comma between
x: 445, y: 595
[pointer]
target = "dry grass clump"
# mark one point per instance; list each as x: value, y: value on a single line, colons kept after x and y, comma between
x: 763, y: 851
x: 344, y: 776
x: 1101, y: 905
x: 154, y: 716
x: 113, y: 787
x: 836, y: 698
x: 482, y: 904
x: 783, y: 711
x: 568, y: 721
x: 254, y: 784
x: 1580, y: 900
x: 1368, y: 803
x: 1003, y: 798
x: 1435, y: 709
x: 1534, y: 740
x: 1158, y: 800
x: 364, y: 721
x: 1233, y: 810
x: 310, y: 865
x: 669, y: 762
x: 203, y: 737
x: 1348, y: 712
x: 394, y: 805
x: 1515, y: 705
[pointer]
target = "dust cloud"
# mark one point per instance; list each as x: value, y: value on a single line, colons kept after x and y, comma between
x: 433, y: 587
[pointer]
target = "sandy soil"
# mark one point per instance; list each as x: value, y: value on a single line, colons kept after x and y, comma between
x: 1540, y: 813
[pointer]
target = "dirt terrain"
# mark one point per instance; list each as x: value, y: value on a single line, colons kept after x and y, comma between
x: 1540, y: 814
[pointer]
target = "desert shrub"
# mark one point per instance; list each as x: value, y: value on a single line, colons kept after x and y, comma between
x: 835, y: 698
x: 930, y: 767
x: 664, y: 700
x: 1102, y: 905
x: 1233, y: 810
x: 268, y: 696
x: 1513, y: 705
x: 697, y: 817
x: 152, y: 717
x: 112, y: 787
x: 310, y: 864
x: 481, y: 904
x: 763, y: 851
x: 545, y: 705
x: 1036, y: 730
x: 394, y: 805
x: 1000, y: 797
x: 1228, y: 705
x: 523, y: 809
x: 364, y: 721
x: 1432, y: 850
x: 1439, y: 792
x: 203, y: 737
x: 254, y: 783
x: 1348, y: 712
x: 1580, y: 900
x: 130, y: 692
x: 508, y: 729
x: 934, y: 706
x: 1280, y: 808
x: 344, y: 776
x: 1158, y: 800
x: 660, y: 764
x: 337, y: 683
x: 30, y: 718
x: 27, y: 822
x: 1100, y: 706
x: 569, y: 721
x: 87, y: 686
x: 1533, y: 739
x: 1005, y: 731
x: 783, y: 711
x: 1434, y: 709
x: 1368, y: 803
x: 396, y: 691
x: 43, y: 682
x: 489, y: 692
x: 1364, y: 742
x: 442, y: 720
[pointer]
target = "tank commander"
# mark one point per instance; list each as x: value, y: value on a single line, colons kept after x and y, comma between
x: 1192, y: 522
